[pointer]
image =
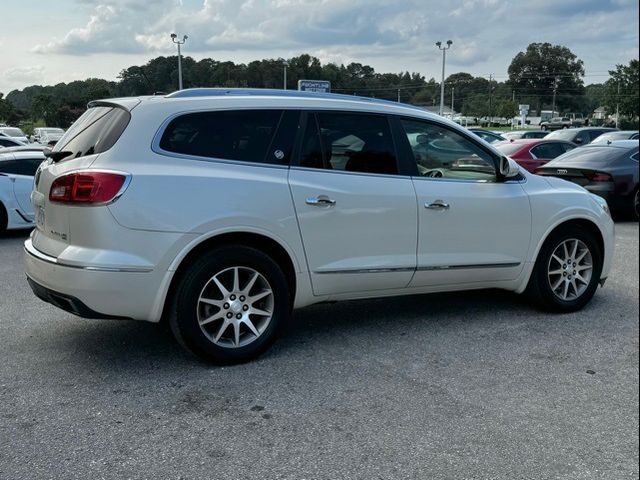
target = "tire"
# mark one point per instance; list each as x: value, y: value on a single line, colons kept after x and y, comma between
x: 544, y: 276
x: 209, y: 302
x: 634, y: 207
x: 544, y: 127
x: 4, y: 220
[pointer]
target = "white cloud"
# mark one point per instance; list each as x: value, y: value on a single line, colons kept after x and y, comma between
x: 29, y: 75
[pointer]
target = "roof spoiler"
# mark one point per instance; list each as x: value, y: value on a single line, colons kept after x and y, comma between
x: 126, y: 103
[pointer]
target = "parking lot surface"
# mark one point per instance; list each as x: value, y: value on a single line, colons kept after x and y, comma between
x: 466, y: 385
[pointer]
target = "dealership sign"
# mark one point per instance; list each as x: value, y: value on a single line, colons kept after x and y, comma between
x: 320, y: 86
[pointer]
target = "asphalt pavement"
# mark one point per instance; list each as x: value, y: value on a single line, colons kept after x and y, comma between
x: 466, y: 385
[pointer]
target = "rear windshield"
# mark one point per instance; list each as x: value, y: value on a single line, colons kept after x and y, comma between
x: 591, y: 154
x: 509, y: 148
x: 96, y: 131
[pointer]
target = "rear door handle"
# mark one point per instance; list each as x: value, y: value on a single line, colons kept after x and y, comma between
x: 437, y: 205
x: 320, y: 201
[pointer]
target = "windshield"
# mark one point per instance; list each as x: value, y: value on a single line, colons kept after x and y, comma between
x: 13, y: 132
x: 509, y: 148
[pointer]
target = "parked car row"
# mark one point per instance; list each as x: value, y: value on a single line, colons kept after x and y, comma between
x: 609, y: 172
x: 15, y: 137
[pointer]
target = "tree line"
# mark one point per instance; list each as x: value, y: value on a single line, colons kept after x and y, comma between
x: 533, y: 77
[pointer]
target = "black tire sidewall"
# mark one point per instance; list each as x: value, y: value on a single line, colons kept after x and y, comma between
x: 546, y: 296
x: 4, y: 219
x: 184, y: 321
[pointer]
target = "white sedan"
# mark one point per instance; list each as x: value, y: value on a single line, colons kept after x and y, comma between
x: 17, y: 168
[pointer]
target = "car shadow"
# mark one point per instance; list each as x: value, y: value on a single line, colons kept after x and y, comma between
x: 122, y: 344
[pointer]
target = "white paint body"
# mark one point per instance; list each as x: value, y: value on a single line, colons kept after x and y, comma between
x: 15, y: 192
x: 378, y: 240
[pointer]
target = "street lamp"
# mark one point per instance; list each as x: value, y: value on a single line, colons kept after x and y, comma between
x: 444, y: 56
x: 285, y: 64
x: 174, y: 39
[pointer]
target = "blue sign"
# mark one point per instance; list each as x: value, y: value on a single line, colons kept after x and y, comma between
x: 320, y: 86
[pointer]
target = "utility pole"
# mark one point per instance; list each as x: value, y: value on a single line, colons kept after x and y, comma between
x: 555, y: 88
x: 398, y: 95
x: 179, y: 42
x: 490, y: 99
x: 452, y: 89
x: 444, y: 57
x: 285, y: 64
x: 618, y: 105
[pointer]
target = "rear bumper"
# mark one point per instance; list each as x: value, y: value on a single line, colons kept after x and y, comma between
x: 90, y: 292
x: 66, y: 302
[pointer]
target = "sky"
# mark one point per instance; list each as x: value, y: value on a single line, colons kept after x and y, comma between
x: 47, y: 42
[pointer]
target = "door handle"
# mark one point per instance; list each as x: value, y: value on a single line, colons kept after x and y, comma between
x: 320, y: 201
x: 437, y: 205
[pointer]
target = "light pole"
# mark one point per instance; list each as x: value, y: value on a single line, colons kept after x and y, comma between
x: 444, y: 56
x: 174, y: 39
x: 285, y: 64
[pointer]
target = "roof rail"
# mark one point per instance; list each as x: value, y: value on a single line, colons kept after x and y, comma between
x: 271, y: 92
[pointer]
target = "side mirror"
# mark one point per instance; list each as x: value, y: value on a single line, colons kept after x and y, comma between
x: 509, y: 168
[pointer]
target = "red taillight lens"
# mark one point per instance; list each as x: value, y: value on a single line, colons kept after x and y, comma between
x: 600, y: 177
x: 87, y: 188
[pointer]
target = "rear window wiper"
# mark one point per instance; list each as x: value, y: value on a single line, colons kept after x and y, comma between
x: 57, y: 156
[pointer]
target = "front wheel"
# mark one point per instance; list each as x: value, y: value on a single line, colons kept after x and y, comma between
x: 567, y: 271
x: 230, y: 304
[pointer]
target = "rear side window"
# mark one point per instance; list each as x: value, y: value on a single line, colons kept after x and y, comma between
x: 548, y: 150
x: 6, y: 142
x: 96, y: 131
x: 24, y: 166
x: 8, y: 166
x: 245, y: 135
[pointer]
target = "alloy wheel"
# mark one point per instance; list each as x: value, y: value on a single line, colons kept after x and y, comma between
x: 235, y: 307
x: 570, y: 269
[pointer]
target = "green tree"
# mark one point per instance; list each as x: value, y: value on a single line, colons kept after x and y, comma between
x: 622, y: 90
x: 541, y: 68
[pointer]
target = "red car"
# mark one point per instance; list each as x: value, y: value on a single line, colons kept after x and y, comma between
x: 532, y: 153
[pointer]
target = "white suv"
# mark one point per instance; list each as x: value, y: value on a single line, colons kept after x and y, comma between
x: 222, y: 210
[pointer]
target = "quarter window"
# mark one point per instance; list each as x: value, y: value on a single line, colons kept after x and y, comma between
x: 245, y: 135
x: 443, y: 153
x: 349, y: 142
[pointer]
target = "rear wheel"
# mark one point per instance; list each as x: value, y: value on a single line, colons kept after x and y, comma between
x: 567, y: 271
x: 230, y: 304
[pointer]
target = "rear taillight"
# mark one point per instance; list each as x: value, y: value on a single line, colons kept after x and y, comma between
x: 87, y: 188
x: 599, y: 177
